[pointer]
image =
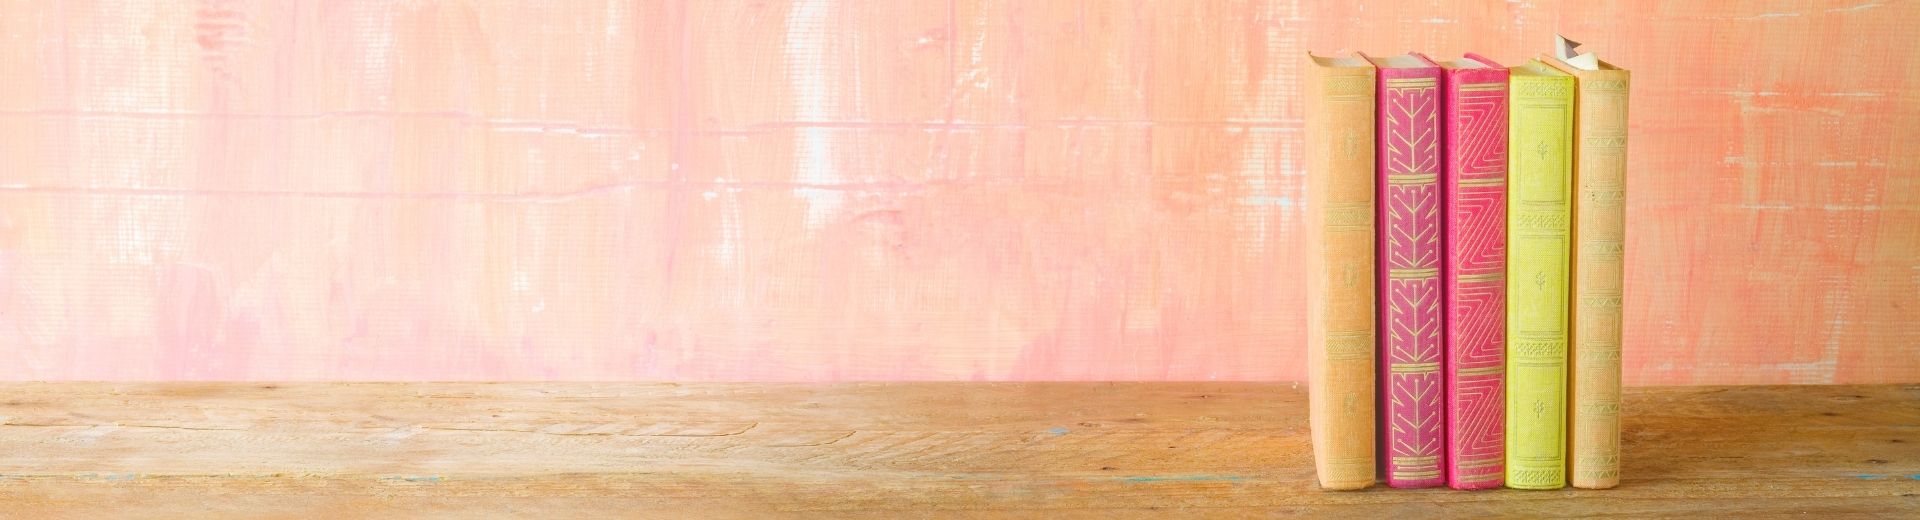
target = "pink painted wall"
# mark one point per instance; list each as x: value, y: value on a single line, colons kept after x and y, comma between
x: 835, y: 190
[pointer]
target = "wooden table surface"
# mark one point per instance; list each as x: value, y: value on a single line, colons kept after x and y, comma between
x: 884, y: 450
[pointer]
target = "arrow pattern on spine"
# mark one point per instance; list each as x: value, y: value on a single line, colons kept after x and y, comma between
x: 1413, y: 319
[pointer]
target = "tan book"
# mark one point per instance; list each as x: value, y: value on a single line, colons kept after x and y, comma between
x: 1599, y: 232
x: 1340, y: 298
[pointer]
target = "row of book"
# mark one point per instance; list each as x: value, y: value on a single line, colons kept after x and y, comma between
x: 1467, y: 223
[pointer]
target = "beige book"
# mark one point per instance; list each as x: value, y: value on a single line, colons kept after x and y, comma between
x: 1340, y: 298
x: 1599, y: 232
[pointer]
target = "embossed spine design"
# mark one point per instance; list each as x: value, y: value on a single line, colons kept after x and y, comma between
x: 1599, y: 232
x: 1340, y: 299
x: 1412, y: 393
x: 1475, y: 186
x: 1538, y: 228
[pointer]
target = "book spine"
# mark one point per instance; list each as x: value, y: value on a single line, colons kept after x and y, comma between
x: 1599, y: 232
x: 1539, y: 156
x: 1413, y: 421
x: 1475, y: 193
x: 1340, y: 334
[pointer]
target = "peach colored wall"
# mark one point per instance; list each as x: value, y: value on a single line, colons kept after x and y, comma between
x: 834, y: 190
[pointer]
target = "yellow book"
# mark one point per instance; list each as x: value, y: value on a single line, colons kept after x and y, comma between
x: 1540, y: 169
x: 1599, y: 233
x: 1340, y: 270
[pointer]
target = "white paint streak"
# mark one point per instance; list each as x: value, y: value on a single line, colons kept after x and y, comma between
x: 521, y: 282
x: 1266, y: 200
x: 1775, y: 93
x: 143, y: 229
x: 1260, y: 160
x: 807, y: 52
x: 1820, y: 207
x: 561, y: 130
x: 977, y: 57
x: 1836, y: 300
x: 732, y: 229
x: 373, y: 38
x: 1761, y: 16
x: 1861, y: 7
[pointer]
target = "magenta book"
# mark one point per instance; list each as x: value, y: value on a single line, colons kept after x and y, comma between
x: 1411, y: 394
x: 1475, y: 186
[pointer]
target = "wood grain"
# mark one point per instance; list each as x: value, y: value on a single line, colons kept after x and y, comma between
x: 814, y: 190
x: 587, y: 450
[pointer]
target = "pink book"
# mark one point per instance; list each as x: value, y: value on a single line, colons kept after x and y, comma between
x: 1412, y: 419
x: 1475, y: 186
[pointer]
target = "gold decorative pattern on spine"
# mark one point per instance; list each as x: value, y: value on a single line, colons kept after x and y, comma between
x: 1481, y: 371
x: 1481, y: 463
x: 1484, y: 277
x: 1423, y: 272
x: 1415, y: 368
x: 1481, y: 478
x: 1413, y: 178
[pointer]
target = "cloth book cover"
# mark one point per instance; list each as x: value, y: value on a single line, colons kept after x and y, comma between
x: 1474, y: 193
x: 1539, y: 147
x: 1599, y: 233
x: 1407, y: 185
x: 1340, y: 299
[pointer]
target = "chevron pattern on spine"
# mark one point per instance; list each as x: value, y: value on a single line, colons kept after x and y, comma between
x: 1412, y: 322
x: 1476, y: 201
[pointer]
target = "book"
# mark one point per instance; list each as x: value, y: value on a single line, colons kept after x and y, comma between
x: 1473, y: 273
x: 1540, y: 128
x: 1412, y: 419
x: 1599, y: 233
x: 1340, y: 300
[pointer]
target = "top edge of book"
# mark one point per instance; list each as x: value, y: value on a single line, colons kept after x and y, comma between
x: 1601, y: 65
x: 1538, y: 68
x: 1470, y: 61
x: 1341, y: 61
x: 1409, y: 60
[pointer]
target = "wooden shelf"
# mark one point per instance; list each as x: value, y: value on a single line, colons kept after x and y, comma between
x: 568, y: 450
